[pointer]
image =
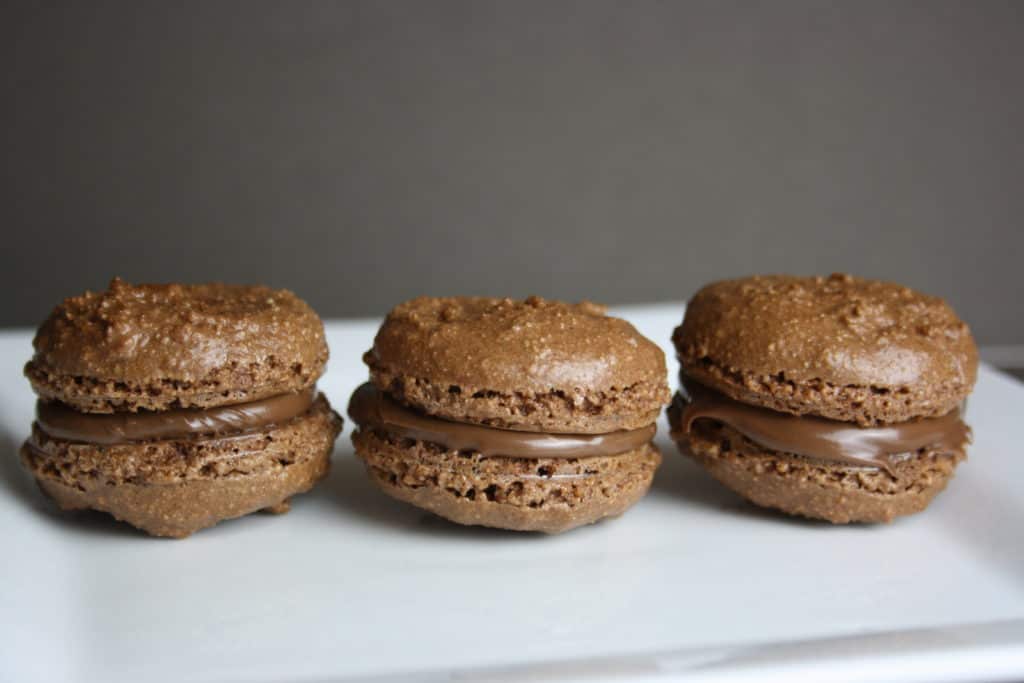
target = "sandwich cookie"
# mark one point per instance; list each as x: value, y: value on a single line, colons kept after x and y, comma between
x: 528, y: 415
x: 833, y: 398
x: 173, y: 407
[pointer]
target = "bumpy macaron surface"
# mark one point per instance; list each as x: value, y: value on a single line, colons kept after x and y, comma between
x: 173, y: 407
x: 830, y: 397
x: 551, y: 372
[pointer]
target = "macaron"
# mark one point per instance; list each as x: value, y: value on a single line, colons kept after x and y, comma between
x: 173, y: 407
x: 834, y: 398
x: 527, y: 415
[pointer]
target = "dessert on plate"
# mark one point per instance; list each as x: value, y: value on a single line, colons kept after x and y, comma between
x: 835, y: 398
x: 173, y: 407
x: 529, y: 415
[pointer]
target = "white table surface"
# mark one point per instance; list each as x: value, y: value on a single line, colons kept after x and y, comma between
x: 691, y: 584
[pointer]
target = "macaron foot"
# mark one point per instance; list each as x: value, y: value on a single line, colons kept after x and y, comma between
x: 280, y: 508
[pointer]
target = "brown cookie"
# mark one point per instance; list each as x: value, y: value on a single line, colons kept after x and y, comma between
x: 533, y: 365
x: 152, y: 347
x: 814, y: 488
x: 173, y: 407
x: 834, y: 398
x: 550, y: 495
x: 176, y: 487
x: 840, y: 347
x: 527, y: 415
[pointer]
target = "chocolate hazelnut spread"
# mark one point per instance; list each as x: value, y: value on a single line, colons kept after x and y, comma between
x: 816, y: 437
x: 62, y: 422
x: 372, y: 408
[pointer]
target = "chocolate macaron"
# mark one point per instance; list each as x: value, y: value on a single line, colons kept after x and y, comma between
x: 833, y: 398
x: 173, y: 407
x: 528, y: 415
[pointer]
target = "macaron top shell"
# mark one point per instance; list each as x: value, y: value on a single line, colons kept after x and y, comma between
x: 874, y: 352
x: 533, y: 364
x: 159, y: 346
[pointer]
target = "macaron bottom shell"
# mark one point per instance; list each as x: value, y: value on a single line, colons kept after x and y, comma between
x: 549, y: 495
x: 175, y: 488
x: 802, y: 486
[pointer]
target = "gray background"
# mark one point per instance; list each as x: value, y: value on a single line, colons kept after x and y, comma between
x: 363, y: 153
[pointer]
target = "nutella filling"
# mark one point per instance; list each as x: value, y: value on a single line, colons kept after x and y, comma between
x: 372, y: 408
x: 817, y: 437
x: 62, y: 422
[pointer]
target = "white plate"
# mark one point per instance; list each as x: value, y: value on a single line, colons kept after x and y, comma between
x: 691, y: 584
